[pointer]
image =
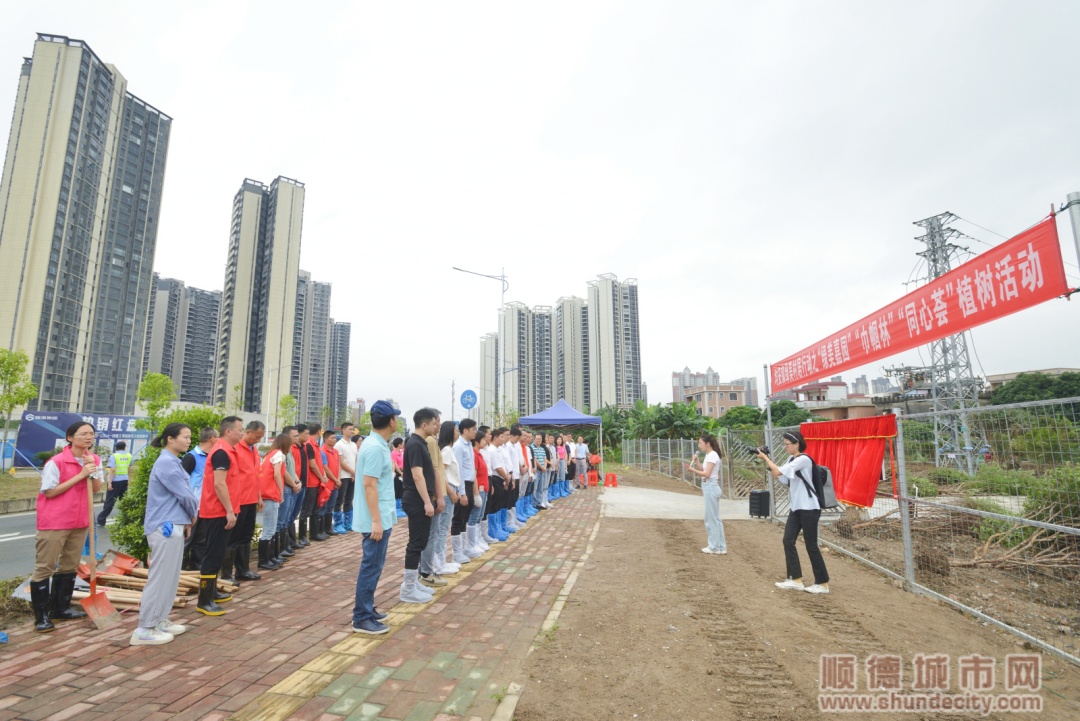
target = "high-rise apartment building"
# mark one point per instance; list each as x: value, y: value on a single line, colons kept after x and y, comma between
x: 79, y: 203
x: 571, y: 328
x: 681, y: 380
x: 587, y: 353
x: 310, y: 370
x: 488, y: 391
x: 614, y: 343
x: 258, y: 304
x: 541, y: 371
x: 339, y: 370
x: 182, y: 337
x: 880, y: 386
x: 515, y: 372
x: 750, y: 398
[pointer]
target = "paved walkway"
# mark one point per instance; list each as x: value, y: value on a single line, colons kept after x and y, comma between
x: 630, y: 502
x: 285, y: 649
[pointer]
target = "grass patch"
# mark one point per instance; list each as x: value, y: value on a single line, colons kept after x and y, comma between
x: 13, y: 611
x: 17, y: 487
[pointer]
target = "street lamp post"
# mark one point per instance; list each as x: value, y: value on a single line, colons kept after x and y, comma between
x: 501, y: 390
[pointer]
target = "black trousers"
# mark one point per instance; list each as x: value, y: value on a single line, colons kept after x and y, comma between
x: 345, y: 495
x: 114, y: 494
x: 419, y: 532
x: 244, y: 530
x: 495, y: 495
x: 311, y: 497
x: 215, y: 539
x: 399, y: 487
x: 461, y: 513
x: 571, y: 471
x: 807, y: 522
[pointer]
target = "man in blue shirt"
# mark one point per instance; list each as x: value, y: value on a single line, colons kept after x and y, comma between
x: 375, y: 513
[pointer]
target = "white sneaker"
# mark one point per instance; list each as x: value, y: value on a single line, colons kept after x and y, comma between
x: 149, y: 637
x: 794, y: 585
x: 817, y: 588
x: 168, y: 626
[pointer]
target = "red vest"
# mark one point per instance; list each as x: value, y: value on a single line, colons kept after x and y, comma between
x: 249, y: 474
x: 268, y: 487
x: 333, y: 462
x: 481, y: 470
x: 69, y: 509
x: 210, y: 505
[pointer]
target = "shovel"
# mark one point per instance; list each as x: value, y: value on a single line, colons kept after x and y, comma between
x: 97, y: 604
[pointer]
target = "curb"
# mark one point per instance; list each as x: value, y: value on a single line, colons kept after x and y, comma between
x: 22, y: 505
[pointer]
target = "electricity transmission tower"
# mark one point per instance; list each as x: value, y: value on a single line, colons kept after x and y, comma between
x: 953, y: 386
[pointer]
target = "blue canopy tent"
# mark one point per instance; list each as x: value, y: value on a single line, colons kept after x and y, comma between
x: 563, y: 415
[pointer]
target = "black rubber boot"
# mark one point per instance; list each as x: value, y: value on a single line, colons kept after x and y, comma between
x: 228, y: 563
x: 63, y: 585
x: 302, y: 541
x: 266, y: 563
x: 285, y: 551
x: 243, y: 563
x: 39, y: 599
x: 208, y: 596
x: 318, y: 528
x: 277, y: 545
x: 290, y: 539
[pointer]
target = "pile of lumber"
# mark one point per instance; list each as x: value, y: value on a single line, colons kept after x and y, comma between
x: 125, y: 591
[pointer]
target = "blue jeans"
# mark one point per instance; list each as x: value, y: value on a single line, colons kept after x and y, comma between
x: 371, y: 567
x: 477, y: 512
x: 269, y: 519
x: 714, y: 527
x: 329, y: 507
x: 440, y: 526
x: 288, y: 497
x: 562, y: 471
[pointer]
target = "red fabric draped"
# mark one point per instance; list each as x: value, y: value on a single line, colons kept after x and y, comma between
x: 853, y: 450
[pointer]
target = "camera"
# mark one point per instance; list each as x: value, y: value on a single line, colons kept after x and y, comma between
x: 762, y: 449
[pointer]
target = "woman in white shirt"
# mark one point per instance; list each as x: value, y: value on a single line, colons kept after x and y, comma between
x: 797, y: 475
x: 710, y: 471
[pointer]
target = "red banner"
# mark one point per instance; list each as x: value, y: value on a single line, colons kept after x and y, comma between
x: 853, y: 450
x: 1021, y: 272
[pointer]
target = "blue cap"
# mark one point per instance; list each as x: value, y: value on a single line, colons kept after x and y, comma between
x: 382, y: 408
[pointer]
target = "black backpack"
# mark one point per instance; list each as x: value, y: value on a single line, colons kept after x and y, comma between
x: 822, y: 488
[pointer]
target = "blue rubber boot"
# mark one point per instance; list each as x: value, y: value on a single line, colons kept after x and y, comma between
x: 346, y: 521
x: 569, y: 489
x: 339, y: 522
x: 400, y: 512
x: 502, y: 521
x: 530, y: 506
x: 493, y: 527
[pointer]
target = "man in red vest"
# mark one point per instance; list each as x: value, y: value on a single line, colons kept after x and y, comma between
x: 316, y: 476
x: 333, y: 472
x: 218, y: 510
x: 238, y: 553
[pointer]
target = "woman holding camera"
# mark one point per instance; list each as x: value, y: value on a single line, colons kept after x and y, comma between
x: 710, y: 471
x: 797, y: 475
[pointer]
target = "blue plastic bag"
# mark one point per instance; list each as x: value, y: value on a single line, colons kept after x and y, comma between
x: 167, y: 529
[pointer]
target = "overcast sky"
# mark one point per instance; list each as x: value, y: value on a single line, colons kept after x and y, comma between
x: 756, y: 166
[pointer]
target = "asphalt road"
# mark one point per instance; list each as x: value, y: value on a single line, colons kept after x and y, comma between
x: 17, y: 542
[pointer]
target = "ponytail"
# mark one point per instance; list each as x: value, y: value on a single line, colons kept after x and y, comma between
x: 710, y: 439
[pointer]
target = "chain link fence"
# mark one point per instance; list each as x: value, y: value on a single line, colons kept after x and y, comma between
x: 985, y: 516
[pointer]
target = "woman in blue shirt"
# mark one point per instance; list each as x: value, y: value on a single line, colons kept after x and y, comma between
x: 170, y: 509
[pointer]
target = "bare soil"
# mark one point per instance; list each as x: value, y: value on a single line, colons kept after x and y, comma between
x: 655, y: 629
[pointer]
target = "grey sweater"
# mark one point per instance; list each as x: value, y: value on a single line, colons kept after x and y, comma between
x: 169, y: 496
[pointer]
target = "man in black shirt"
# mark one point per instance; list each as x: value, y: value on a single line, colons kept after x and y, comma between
x: 419, y: 481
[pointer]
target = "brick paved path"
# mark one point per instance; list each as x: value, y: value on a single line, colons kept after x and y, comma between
x: 285, y: 649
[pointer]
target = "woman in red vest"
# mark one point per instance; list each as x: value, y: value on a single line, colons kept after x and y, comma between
x: 63, y: 517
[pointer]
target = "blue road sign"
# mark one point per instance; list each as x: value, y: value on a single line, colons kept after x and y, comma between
x: 468, y: 400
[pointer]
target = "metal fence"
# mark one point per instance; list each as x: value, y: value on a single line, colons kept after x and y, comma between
x: 990, y: 524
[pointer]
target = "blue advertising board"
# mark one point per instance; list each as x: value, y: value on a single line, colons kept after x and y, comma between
x: 43, y: 431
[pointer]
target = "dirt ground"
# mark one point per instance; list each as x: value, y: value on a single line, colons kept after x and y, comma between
x: 655, y: 629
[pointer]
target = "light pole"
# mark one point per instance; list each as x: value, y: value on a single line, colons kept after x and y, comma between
x: 500, y: 391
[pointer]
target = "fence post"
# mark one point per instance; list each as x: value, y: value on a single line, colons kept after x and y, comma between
x: 905, y: 516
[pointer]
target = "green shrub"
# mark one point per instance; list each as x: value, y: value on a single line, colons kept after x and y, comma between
x: 1056, y: 498
x: 994, y: 479
x: 925, y: 487
x: 947, y: 475
x: 128, y: 529
x: 985, y: 528
x: 44, y: 456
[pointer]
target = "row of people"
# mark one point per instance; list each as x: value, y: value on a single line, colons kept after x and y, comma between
x: 468, y: 484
